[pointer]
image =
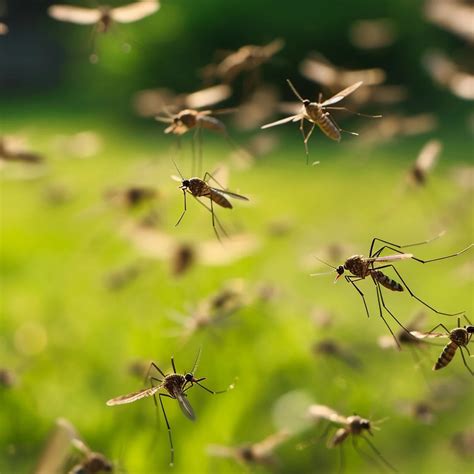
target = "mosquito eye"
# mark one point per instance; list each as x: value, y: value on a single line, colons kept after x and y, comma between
x: 186, y: 183
x: 189, y: 377
x: 306, y: 102
x: 340, y: 269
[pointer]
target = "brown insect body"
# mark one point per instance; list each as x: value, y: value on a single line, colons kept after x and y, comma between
x: 106, y: 21
x: 199, y: 188
x: 362, y: 267
x: 188, y: 119
x: 315, y: 113
x: 459, y: 337
x: 95, y: 463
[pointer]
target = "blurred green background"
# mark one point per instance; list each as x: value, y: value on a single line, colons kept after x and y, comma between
x: 69, y: 335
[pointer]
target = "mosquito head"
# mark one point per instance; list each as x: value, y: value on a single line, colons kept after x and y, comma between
x: 339, y: 271
x: 189, y: 377
x: 185, y: 184
x: 470, y: 329
x: 306, y: 102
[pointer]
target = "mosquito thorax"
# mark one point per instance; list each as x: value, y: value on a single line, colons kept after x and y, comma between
x: 247, y: 452
x: 358, y: 424
x: 459, y: 336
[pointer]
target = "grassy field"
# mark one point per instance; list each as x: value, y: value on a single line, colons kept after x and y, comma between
x: 70, y: 339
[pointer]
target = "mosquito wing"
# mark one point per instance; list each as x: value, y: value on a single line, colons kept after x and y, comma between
x: 428, y: 335
x: 209, y: 96
x: 185, y: 406
x: 79, y: 15
x: 224, y: 193
x: 291, y: 118
x: 133, y: 397
x: 135, y: 11
x: 267, y: 445
x: 340, y: 95
x: 326, y: 413
x: 392, y: 258
x: 428, y: 156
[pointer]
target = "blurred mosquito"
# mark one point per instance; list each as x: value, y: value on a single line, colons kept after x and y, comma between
x: 200, y: 188
x: 104, y: 16
x: 362, y: 267
x: 459, y: 338
x: 355, y: 426
x: 425, y: 162
x: 315, y: 113
x: 247, y: 58
x: 176, y: 385
x: 3, y: 29
x: 256, y: 453
x: 62, y: 450
x: 12, y: 149
x: 189, y: 119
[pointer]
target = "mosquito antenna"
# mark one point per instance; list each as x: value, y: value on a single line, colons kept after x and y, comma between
x: 325, y: 263
x: 177, y: 169
x: 320, y: 274
x: 294, y: 90
x: 196, y: 362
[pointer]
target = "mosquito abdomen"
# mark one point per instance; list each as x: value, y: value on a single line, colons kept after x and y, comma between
x: 328, y: 127
x: 446, y: 356
x: 220, y: 199
x: 386, y: 281
x: 212, y: 123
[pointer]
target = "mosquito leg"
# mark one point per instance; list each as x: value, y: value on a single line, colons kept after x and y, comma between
x: 464, y: 360
x: 416, y: 297
x: 353, y: 112
x: 208, y: 176
x: 172, y: 364
x: 361, y: 453
x: 378, y: 453
x: 338, y: 127
x: 402, y: 246
x: 153, y: 366
x: 214, y: 222
x: 352, y: 281
x: 168, y: 427
x: 306, y: 140
x: 215, y: 217
x: 379, y: 301
x: 438, y: 326
x: 213, y: 392
x: 184, y: 210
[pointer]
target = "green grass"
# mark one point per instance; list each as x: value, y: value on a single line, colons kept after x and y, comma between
x: 70, y: 339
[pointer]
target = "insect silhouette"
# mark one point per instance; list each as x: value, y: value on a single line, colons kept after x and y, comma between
x: 198, y: 187
x: 261, y: 452
x: 354, y: 426
x: 176, y: 385
x: 192, y: 119
x: 361, y: 267
x: 459, y: 338
x: 104, y: 16
x: 425, y: 162
x: 316, y: 113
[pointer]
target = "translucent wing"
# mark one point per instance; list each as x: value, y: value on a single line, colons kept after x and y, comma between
x: 185, y: 406
x: 340, y: 95
x: 79, y: 15
x: 392, y: 258
x: 428, y: 155
x: 428, y: 335
x: 135, y: 11
x: 133, y: 397
x: 326, y: 413
x: 209, y: 96
x: 282, y: 121
x: 224, y: 193
x: 267, y: 445
x: 176, y: 178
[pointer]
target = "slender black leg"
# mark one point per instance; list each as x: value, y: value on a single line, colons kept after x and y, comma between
x: 402, y: 246
x: 172, y: 364
x: 379, y: 301
x: 161, y: 395
x: 184, y: 210
x: 215, y: 217
x: 461, y: 349
x: 213, y: 392
x: 440, y: 325
x: 153, y: 366
x: 416, y: 297
x: 338, y: 127
x: 378, y: 453
x: 362, y: 453
x: 304, y: 138
x: 214, y: 222
x: 352, y: 280
x: 208, y: 176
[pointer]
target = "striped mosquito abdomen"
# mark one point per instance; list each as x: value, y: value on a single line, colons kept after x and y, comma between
x: 220, y: 199
x: 339, y: 437
x: 323, y: 121
x: 386, y: 281
x: 446, y: 356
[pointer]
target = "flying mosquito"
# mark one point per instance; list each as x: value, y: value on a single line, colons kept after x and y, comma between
x: 459, y: 338
x: 361, y: 267
x: 261, y: 452
x: 176, y: 385
x: 354, y: 426
x: 104, y: 16
x: 425, y: 162
x: 200, y: 188
x: 315, y: 113
x: 192, y: 119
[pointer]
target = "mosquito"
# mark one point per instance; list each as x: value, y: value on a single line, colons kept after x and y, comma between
x: 176, y: 385
x: 315, y: 113
x: 354, y: 426
x: 200, y: 188
x: 104, y: 16
x: 192, y: 119
x: 459, y: 338
x: 361, y: 267
x: 261, y: 452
